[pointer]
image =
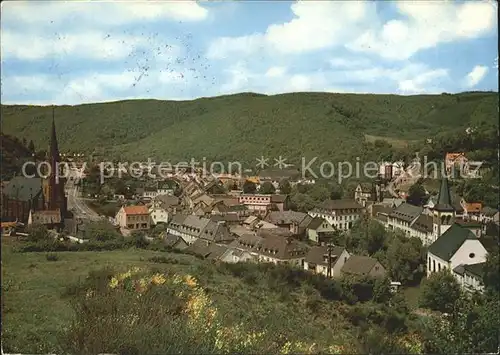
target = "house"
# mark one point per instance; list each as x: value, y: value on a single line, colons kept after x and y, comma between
x: 392, y: 202
x: 403, y: 217
x: 233, y: 255
x: 206, y: 249
x: 339, y: 213
x: 374, y: 209
x: 363, y: 266
x: 266, y: 225
x: 174, y: 241
x: 250, y: 222
x: 318, y: 259
x: 423, y: 229
x: 228, y: 219
x: 192, y: 228
x: 261, y: 204
x: 275, y: 176
x: 168, y: 203
x: 456, y: 246
x: 220, y: 208
x: 287, y: 219
x: 474, y: 226
x: 454, y: 160
x: 278, y: 249
x: 364, y: 192
x: 49, y: 218
x: 488, y: 214
x: 133, y: 217
x: 158, y: 214
x: 470, y: 277
x: 19, y: 196
x: 472, y: 210
x: 319, y: 230
x: 247, y: 242
x: 272, y: 232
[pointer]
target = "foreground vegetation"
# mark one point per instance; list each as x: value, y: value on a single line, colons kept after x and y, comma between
x: 126, y: 296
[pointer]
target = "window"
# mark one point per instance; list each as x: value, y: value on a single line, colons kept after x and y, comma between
x: 472, y: 255
x: 439, y: 267
x: 433, y: 265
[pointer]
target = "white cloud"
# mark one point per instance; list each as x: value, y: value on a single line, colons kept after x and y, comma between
x: 317, y: 25
x: 424, y: 82
x: 355, y: 25
x: 349, y: 62
x: 96, y: 87
x: 475, y: 76
x: 427, y: 24
x: 84, y: 45
x: 109, y: 14
x: 274, y: 72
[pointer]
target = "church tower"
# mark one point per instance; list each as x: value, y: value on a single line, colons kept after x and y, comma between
x: 443, y: 211
x: 53, y: 185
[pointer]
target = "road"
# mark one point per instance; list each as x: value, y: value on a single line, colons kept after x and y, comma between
x: 78, y: 206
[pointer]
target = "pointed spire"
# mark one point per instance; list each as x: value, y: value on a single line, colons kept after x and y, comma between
x: 444, y: 197
x: 54, y: 148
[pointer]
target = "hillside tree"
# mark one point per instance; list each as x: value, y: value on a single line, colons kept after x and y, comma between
x: 249, y: 187
x: 267, y: 188
x: 440, y: 292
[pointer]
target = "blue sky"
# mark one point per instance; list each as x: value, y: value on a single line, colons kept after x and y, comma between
x: 78, y: 52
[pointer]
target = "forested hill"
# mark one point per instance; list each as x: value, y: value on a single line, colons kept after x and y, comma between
x: 245, y: 126
x: 14, y: 152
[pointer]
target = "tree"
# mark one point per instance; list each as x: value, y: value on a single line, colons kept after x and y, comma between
x: 416, y: 194
x: 267, y: 188
x: 472, y: 328
x: 404, y: 259
x: 491, y: 277
x: 101, y: 231
x: 440, y: 292
x: 285, y: 187
x: 249, y: 187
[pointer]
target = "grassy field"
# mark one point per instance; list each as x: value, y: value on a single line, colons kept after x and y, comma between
x: 34, y: 311
x: 35, y: 314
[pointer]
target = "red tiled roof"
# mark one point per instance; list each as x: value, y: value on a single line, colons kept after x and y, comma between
x: 473, y: 207
x: 134, y: 210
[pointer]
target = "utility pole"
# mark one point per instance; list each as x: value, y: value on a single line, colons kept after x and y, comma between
x: 329, y: 271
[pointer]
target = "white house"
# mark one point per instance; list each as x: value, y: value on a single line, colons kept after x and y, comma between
x: 158, y: 214
x: 319, y: 229
x: 457, y: 246
x: 470, y: 277
x: 341, y: 214
x: 317, y: 260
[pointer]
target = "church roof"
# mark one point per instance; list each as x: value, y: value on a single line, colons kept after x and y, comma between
x: 22, y: 188
x: 444, y: 202
x: 450, y: 241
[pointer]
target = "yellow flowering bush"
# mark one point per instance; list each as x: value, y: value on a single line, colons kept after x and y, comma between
x: 198, y: 314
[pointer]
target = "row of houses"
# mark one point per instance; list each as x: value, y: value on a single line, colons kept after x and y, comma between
x: 278, y: 249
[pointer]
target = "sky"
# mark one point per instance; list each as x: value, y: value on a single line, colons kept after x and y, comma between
x: 81, y: 52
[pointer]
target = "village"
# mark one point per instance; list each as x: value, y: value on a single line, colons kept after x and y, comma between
x: 232, y: 218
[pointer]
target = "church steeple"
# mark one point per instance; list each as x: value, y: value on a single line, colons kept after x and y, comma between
x: 444, y: 197
x: 443, y: 211
x: 54, y: 185
x: 54, y: 148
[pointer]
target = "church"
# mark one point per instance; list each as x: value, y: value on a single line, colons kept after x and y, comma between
x: 38, y: 199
